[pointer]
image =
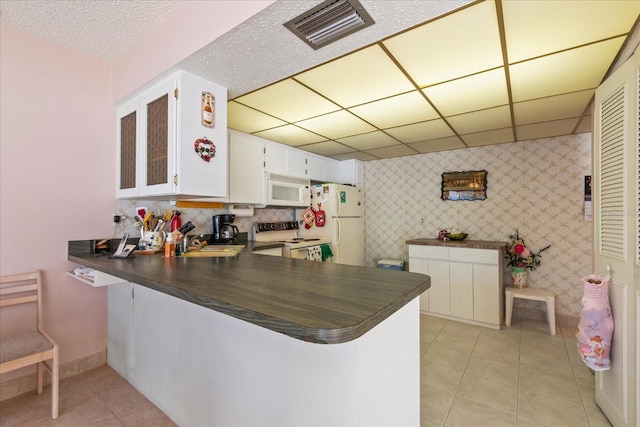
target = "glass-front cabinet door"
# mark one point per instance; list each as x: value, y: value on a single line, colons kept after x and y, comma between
x: 156, y: 139
x: 127, y: 150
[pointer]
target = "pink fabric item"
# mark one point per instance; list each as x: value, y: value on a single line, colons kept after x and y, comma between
x: 595, y: 329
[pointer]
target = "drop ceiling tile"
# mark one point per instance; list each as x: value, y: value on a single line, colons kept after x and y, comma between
x: 496, y: 136
x: 290, y: 135
x: 569, y: 71
x: 477, y: 92
x: 552, y: 107
x: 432, y: 129
x: 535, y: 28
x: 394, y: 151
x: 248, y: 120
x: 478, y: 121
x: 368, y: 141
x: 396, y: 111
x: 360, y: 77
x: 442, y: 144
x: 289, y: 101
x: 358, y: 155
x: 336, y: 125
x: 327, y: 148
x: 456, y: 45
x: 546, y: 129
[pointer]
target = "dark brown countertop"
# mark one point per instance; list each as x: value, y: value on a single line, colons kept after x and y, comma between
x: 474, y: 244
x: 307, y: 300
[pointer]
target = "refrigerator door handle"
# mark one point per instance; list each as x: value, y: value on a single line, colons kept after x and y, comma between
x: 337, y: 202
x: 338, y: 231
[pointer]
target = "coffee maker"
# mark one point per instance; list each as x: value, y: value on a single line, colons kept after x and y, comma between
x: 224, y: 233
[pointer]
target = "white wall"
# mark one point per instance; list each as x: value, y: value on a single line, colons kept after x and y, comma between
x: 57, y: 179
x: 536, y: 186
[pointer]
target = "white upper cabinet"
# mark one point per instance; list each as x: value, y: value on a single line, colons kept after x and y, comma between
x: 315, y: 167
x: 331, y: 170
x: 352, y: 172
x: 246, y: 168
x: 250, y: 157
x: 172, y: 140
x: 275, y: 157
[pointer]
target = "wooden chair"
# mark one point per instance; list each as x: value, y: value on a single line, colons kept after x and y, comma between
x: 30, y: 348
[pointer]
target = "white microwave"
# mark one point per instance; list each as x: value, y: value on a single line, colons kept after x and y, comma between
x: 287, y: 191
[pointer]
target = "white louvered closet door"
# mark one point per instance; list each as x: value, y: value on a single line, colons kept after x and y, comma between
x: 616, y: 235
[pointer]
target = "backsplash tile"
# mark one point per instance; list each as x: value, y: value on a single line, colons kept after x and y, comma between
x: 536, y: 186
x: 201, y: 218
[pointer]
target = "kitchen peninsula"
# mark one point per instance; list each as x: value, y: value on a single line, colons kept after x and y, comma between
x: 253, y: 339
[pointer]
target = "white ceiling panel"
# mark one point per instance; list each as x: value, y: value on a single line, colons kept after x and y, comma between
x: 432, y: 129
x: 395, y: 151
x: 288, y: 100
x: 291, y: 135
x: 546, y: 129
x: 569, y: 71
x: 477, y: 121
x: 489, y: 137
x: 442, y: 144
x: 456, y: 45
x: 477, y: 92
x: 535, y: 28
x: 245, y: 119
x: 396, y: 111
x: 552, y: 107
x: 328, y: 148
x: 368, y: 141
x: 336, y: 125
x: 358, y: 155
x: 363, y: 76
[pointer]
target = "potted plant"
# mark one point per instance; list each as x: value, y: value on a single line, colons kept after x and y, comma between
x: 520, y: 258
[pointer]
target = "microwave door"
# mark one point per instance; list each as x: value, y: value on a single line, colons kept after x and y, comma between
x: 287, y: 194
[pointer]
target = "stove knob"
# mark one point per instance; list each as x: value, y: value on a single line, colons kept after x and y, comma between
x: 272, y: 226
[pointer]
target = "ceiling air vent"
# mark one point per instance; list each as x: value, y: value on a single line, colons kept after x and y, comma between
x: 329, y: 21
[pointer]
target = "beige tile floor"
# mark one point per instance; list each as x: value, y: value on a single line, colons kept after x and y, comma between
x: 470, y: 376
x: 99, y: 397
x: 519, y: 376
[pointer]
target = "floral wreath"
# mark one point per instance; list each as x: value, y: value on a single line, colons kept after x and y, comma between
x: 204, y: 148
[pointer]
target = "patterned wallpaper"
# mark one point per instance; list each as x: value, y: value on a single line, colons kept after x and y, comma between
x: 535, y: 186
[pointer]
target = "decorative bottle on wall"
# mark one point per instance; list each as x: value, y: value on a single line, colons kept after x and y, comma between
x: 596, y: 323
x: 207, y: 109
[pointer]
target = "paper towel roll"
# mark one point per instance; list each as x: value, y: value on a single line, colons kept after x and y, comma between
x: 241, y: 210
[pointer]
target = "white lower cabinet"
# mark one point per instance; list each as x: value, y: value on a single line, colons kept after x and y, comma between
x: 466, y: 283
x: 120, y: 334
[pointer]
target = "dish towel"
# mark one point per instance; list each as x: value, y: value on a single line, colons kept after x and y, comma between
x: 314, y: 253
x: 325, y: 248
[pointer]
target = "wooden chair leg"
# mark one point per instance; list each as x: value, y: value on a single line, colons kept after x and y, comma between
x: 55, y: 379
x: 40, y: 381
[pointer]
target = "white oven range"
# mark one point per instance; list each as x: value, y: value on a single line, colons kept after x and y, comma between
x: 286, y: 232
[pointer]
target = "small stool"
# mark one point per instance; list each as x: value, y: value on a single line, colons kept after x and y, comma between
x: 532, y: 294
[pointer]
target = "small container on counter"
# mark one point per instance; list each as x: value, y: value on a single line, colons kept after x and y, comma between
x: 169, y: 248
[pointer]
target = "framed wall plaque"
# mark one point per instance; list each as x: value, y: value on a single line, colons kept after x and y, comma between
x: 468, y: 185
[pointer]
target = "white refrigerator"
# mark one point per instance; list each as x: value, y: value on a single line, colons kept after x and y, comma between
x: 344, y: 221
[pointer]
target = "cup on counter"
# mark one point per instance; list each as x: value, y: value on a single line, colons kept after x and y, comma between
x: 154, y: 240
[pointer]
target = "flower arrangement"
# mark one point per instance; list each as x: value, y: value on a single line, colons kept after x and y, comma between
x: 519, y: 255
